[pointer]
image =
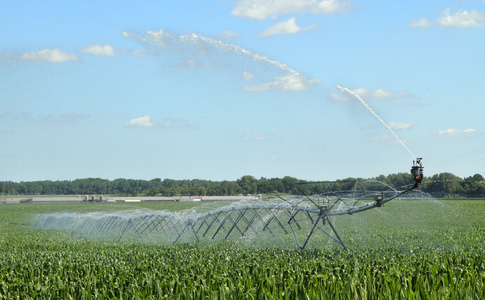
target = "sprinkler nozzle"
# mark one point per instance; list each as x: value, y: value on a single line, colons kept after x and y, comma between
x: 417, y: 171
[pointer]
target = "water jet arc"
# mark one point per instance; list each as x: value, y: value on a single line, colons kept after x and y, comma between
x: 356, y: 96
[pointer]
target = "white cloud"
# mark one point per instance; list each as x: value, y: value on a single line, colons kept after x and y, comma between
x: 195, y: 64
x: 258, y: 9
x: 49, y: 56
x: 420, y: 23
x: 140, y: 122
x: 368, y: 94
x: 141, y: 52
x: 191, y: 64
x: 400, y: 125
x: 386, y: 94
x: 99, y: 50
x: 248, y: 76
x: 291, y: 82
x: 339, y: 96
x: 285, y: 27
x: 229, y: 35
x: 473, y: 18
x: 453, y: 132
x: 256, y: 136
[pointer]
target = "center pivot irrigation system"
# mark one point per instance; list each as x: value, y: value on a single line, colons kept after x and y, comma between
x: 300, y: 216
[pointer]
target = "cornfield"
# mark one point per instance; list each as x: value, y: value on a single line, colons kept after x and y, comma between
x: 405, y: 250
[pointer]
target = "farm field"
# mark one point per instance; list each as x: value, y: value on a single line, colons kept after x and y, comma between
x: 404, y: 250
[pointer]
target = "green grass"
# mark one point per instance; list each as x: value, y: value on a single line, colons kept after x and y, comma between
x: 404, y: 250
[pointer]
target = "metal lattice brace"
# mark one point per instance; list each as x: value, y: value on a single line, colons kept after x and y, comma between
x: 149, y: 224
x: 273, y: 216
x: 226, y: 223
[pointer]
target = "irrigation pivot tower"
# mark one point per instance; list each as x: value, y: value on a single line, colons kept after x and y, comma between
x: 301, y: 216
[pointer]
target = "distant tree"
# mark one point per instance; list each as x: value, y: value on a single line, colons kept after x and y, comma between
x: 399, y: 180
x: 290, y: 185
x: 169, y: 183
x: 474, y: 185
x: 443, y: 184
x: 248, y: 184
x: 438, y: 185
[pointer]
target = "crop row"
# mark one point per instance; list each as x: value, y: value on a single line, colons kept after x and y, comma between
x: 95, y: 270
x: 392, y: 256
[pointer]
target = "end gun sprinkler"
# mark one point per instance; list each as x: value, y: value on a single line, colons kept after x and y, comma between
x: 417, y: 171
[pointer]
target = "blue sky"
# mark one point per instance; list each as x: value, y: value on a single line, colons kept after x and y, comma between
x: 220, y: 89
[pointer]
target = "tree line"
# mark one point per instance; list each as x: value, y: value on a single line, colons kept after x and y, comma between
x: 439, y: 185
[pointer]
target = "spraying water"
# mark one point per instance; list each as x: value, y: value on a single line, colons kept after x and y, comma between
x: 299, y: 216
x: 205, y: 46
x: 175, y: 42
x: 352, y: 93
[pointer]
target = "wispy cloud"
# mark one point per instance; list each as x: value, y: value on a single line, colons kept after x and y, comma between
x: 140, y: 122
x: 464, y: 18
x: 256, y: 136
x: 99, y: 50
x: 423, y: 22
x: 226, y: 35
x: 191, y: 64
x: 9, y: 56
x: 369, y: 94
x: 460, y: 19
x: 257, y: 9
x: 248, y: 76
x: 285, y: 27
x: 453, y: 132
x: 49, y: 56
x: 400, y: 125
x: 166, y: 123
x: 291, y: 82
